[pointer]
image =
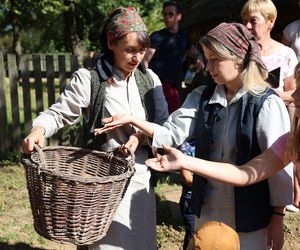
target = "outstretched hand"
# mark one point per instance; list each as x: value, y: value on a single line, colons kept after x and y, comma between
x: 112, y: 122
x: 171, y: 161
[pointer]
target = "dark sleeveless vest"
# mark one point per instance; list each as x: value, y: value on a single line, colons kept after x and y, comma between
x: 145, y: 86
x: 252, y: 203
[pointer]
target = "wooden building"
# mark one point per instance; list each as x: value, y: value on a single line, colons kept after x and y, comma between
x: 206, y: 14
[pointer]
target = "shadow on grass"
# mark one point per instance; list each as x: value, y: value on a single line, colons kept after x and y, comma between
x: 168, y: 212
x: 169, y: 178
x: 17, y: 246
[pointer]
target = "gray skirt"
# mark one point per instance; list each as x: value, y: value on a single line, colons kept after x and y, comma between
x: 134, y: 224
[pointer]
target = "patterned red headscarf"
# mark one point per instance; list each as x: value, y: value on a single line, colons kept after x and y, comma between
x: 240, y: 41
x: 123, y: 22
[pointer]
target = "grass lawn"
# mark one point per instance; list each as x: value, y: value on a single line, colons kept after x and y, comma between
x: 16, y: 227
x: 16, y: 223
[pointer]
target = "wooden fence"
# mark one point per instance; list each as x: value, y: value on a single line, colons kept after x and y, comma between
x: 28, y: 86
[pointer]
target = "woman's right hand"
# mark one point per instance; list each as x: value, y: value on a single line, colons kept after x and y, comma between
x: 113, y: 122
x: 171, y: 161
x: 36, y: 136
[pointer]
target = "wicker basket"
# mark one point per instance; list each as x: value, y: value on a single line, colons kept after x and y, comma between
x: 75, y: 192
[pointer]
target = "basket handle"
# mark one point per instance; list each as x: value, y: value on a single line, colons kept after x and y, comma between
x: 132, y: 157
x: 41, y: 156
x: 131, y: 161
x: 111, y: 153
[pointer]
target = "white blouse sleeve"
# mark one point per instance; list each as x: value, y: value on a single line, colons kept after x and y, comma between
x: 68, y: 107
x: 181, y: 123
x: 273, y: 121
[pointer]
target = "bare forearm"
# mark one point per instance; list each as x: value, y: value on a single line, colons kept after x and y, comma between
x: 286, y: 96
x: 145, y: 126
x: 187, y: 177
x: 289, y: 88
x: 258, y: 169
x: 227, y: 173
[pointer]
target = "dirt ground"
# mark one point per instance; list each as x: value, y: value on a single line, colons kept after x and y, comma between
x: 170, y: 231
x: 174, y: 239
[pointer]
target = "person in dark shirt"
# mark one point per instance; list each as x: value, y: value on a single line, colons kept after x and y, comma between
x: 167, y: 50
x: 165, y: 56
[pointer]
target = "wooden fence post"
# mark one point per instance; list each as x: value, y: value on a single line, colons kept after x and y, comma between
x: 74, y: 64
x: 14, y: 96
x: 26, y: 92
x: 3, y: 113
x: 64, y: 133
x: 32, y: 77
x: 36, y: 59
x: 50, y: 79
x: 50, y: 75
x: 62, y: 72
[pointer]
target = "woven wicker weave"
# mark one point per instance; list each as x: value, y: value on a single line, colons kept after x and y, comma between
x: 75, y: 192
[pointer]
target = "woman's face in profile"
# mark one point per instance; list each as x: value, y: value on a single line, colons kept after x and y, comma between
x: 128, y: 53
x: 222, y: 71
x: 256, y: 23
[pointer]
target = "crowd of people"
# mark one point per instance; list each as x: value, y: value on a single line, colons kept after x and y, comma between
x: 237, y: 157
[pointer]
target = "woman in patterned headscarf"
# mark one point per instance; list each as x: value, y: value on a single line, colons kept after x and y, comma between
x: 119, y: 83
x: 232, y: 121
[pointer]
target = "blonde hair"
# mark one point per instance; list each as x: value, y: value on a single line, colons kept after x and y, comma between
x: 293, y: 146
x: 253, y: 76
x: 265, y: 7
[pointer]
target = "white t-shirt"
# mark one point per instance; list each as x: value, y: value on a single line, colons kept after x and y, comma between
x: 286, y: 59
x: 292, y: 33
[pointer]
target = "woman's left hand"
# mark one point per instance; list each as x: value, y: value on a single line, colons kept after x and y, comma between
x: 171, y: 161
x: 113, y: 122
x: 133, y: 142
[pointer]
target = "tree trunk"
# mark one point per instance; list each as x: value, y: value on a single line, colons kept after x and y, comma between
x: 17, y: 48
x: 74, y: 44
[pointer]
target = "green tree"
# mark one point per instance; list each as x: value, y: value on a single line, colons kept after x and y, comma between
x: 152, y: 15
x: 73, y: 26
x: 20, y: 16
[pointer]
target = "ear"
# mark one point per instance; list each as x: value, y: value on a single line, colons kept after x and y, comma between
x: 237, y: 65
x: 271, y: 23
x: 109, y: 44
x: 179, y: 17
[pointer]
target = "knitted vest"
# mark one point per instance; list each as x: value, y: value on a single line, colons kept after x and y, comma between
x: 252, y: 205
x: 145, y: 86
